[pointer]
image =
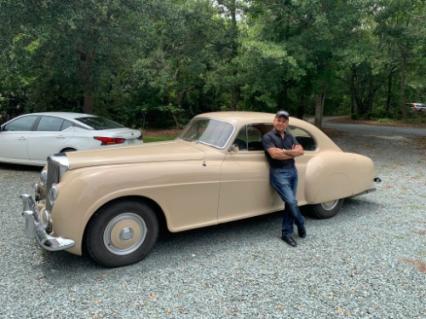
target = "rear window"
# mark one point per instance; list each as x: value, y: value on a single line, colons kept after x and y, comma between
x: 99, y: 123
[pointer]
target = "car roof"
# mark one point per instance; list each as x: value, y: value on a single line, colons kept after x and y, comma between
x: 64, y: 115
x: 241, y: 117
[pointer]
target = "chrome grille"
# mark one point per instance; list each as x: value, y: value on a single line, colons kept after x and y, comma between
x: 57, y: 165
x: 52, y: 172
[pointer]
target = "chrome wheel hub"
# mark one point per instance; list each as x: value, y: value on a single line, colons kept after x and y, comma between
x: 330, y: 205
x: 125, y: 233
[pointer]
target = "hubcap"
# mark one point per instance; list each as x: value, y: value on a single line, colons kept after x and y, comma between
x: 125, y: 233
x: 329, y: 205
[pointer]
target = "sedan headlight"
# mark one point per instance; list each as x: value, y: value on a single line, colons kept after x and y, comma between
x: 53, y: 194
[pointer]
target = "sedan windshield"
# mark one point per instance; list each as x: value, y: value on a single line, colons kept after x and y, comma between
x: 99, y: 123
x: 207, y: 131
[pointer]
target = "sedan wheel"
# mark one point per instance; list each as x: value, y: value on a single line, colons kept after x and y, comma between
x: 326, y: 209
x: 122, y: 233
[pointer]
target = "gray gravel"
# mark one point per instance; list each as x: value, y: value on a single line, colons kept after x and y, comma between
x: 367, y: 262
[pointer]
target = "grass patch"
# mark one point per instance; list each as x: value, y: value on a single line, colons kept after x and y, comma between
x: 155, y: 135
x: 159, y: 138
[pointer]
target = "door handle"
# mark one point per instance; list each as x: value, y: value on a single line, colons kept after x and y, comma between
x: 22, y: 138
x: 60, y: 137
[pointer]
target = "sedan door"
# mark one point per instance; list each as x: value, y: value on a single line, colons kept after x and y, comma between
x: 245, y: 189
x: 48, y: 138
x: 14, y: 139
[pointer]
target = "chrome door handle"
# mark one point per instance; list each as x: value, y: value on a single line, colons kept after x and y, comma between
x: 22, y: 138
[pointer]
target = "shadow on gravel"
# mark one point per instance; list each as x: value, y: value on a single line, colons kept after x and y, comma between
x: 16, y: 167
x: 174, y: 248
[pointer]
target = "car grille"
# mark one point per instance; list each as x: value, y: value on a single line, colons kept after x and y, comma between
x: 57, y: 165
x: 52, y: 172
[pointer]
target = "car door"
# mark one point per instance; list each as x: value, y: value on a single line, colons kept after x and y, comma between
x: 245, y: 189
x: 14, y: 138
x: 49, y: 137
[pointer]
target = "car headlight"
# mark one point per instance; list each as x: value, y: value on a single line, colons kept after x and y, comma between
x: 53, y: 194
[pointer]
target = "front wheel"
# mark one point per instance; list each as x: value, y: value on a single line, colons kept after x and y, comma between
x: 122, y: 233
x: 326, y: 209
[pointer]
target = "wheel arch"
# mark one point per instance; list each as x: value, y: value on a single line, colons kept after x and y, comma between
x: 333, y: 175
x: 161, y: 216
x: 68, y: 149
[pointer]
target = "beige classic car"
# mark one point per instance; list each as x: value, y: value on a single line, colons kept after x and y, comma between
x: 112, y: 203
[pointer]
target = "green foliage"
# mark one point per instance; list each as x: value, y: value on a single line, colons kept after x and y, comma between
x: 157, y: 63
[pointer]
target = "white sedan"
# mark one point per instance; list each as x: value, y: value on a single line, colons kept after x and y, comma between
x: 29, y: 139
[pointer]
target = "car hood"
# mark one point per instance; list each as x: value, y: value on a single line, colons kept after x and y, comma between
x: 149, y: 152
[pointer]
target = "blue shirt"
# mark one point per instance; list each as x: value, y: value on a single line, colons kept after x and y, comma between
x: 274, y: 139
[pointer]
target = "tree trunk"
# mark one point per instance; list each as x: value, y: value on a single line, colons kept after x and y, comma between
x: 354, y: 104
x: 302, y: 99
x: 319, y: 108
x: 301, y: 107
x: 389, y: 92
x: 88, y: 103
x: 402, y: 89
x: 86, y: 60
x: 236, y: 91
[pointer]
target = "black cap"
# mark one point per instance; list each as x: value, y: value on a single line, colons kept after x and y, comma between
x: 283, y: 114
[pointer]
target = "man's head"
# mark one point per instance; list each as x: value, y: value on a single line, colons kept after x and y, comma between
x: 281, y: 121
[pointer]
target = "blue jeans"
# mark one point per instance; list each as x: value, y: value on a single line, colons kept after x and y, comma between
x: 284, y: 181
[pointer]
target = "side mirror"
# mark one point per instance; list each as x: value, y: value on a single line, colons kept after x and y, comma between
x: 233, y: 148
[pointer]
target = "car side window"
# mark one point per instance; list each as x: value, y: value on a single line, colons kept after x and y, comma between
x: 241, y: 139
x: 250, y: 137
x: 25, y: 123
x: 49, y: 124
x: 66, y: 124
x: 254, y: 138
x: 304, y: 138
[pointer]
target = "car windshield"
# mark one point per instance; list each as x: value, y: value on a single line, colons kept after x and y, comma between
x: 208, y: 131
x: 99, y: 123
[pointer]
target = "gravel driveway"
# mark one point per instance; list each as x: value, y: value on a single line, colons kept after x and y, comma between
x: 367, y: 262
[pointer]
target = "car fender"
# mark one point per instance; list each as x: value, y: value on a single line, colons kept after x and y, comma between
x: 333, y: 174
x: 82, y: 192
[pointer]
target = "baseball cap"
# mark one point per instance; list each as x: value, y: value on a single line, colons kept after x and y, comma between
x: 282, y: 113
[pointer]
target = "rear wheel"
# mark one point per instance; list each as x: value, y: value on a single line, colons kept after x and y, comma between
x: 326, y: 209
x: 122, y: 233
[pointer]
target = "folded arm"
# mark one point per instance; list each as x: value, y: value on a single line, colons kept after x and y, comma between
x: 283, y: 154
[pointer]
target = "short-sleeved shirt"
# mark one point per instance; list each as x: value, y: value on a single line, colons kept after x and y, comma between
x: 274, y: 139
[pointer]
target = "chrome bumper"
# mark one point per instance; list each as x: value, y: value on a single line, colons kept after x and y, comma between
x: 33, y: 228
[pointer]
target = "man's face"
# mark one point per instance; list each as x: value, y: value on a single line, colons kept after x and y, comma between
x: 280, y: 124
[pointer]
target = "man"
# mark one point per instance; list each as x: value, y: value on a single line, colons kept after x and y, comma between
x: 281, y: 148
